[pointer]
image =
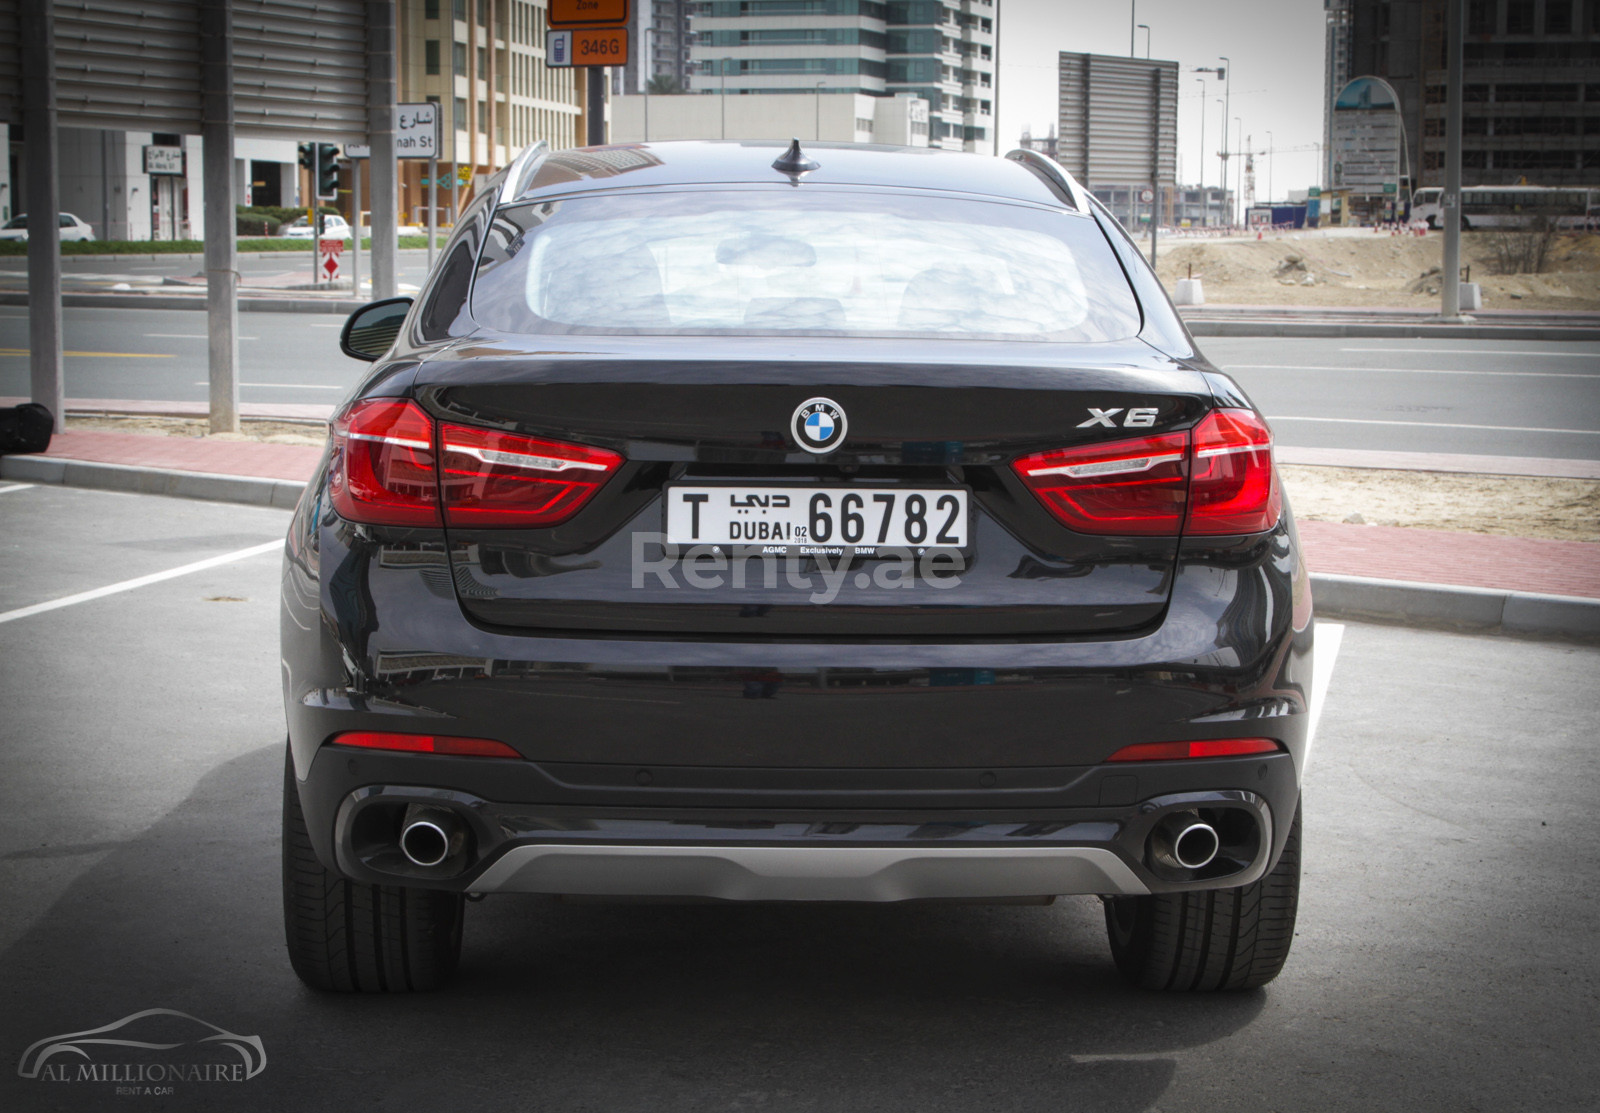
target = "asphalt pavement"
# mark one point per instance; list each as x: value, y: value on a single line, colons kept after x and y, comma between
x: 1443, y: 961
x: 1498, y: 398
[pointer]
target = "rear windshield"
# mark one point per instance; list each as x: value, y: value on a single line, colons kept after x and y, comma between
x: 801, y: 261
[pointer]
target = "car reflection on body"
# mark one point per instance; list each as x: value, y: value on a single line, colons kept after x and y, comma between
x: 747, y: 523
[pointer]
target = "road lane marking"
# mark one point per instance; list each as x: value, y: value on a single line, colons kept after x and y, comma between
x: 15, y: 487
x: 86, y: 355
x: 188, y: 336
x: 1435, y: 425
x: 1409, y: 370
x: 1473, y: 352
x: 292, y: 386
x: 142, y: 581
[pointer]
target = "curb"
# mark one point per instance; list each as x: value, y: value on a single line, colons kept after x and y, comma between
x: 1468, y: 608
x: 1354, y: 597
x: 246, y: 489
x: 1356, y: 330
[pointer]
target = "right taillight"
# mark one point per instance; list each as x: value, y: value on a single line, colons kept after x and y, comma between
x: 1213, y: 480
x: 1123, y: 487
x: 1234, y: 487
x: 382, y: 466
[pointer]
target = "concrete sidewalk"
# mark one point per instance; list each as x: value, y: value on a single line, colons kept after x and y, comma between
x: 1521, y: 585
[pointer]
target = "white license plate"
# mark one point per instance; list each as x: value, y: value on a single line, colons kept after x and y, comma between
x: 818, y: 520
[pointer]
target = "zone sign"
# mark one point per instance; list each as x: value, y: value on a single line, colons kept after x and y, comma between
x: 582, y: 13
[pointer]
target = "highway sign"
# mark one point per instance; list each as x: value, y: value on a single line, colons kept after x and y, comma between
x: 576, y: 13
x: 586, y: 46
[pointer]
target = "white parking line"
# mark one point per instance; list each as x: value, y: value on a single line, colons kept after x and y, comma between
x: 15, y: 487
x: 1328, y: 637
x: 1347, y: 368
x: 1437, y: 425
x: 142, y: 581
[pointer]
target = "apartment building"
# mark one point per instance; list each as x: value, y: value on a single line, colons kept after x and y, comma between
x: 942, y: 51
x: 482, y: 62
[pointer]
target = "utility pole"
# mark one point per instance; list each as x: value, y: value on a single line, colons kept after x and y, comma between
x: 38, y: 51
x: 595, y: 110
x: 1450, y: 288
x: 222, y: 268
x: 1203, y: 206
x: 1227, y: 107
x: 1133, y: 14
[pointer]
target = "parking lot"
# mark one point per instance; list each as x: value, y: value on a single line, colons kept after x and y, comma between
x: 1444, y: 961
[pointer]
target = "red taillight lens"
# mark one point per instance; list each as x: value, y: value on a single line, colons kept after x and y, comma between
x: 1235, y: 487
x: 1126, y: 487
x: 500, y: 479
x: 425, y: 744
x: 382, y: 466
x: 1179, y: 751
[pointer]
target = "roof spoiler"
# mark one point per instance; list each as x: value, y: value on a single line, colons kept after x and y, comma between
x: 1057, y: 180
x: 521, y: 171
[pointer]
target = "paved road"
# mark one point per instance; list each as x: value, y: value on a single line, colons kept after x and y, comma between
x: 1444, y: 959
x: 1500, y: 398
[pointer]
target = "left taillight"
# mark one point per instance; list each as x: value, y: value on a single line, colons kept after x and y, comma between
x: 382, y: 469
x: 492, y: 478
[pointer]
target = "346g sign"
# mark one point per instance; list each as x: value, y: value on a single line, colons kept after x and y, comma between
x: 587, y: 46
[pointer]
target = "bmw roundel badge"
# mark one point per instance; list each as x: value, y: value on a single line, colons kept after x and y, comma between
x: 818, y: 425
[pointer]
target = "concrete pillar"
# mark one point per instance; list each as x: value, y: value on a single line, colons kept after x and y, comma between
x: 38, y: 50
x: 384, y: 170
x: 222, y: 275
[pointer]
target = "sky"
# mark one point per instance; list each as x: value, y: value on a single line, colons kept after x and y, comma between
x: 1276, y: 48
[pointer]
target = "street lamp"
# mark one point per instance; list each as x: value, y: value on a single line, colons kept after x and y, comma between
x: 1226, y: 73
x: 1146, y: 27
x: 1223, y: 154
x: 1133, y: 14
x: 1270, y: 194
x: 645, y: 66
x: 1202, y: 82
x: 1238, y: 176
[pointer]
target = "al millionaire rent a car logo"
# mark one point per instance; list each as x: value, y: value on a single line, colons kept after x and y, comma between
x: 147, y: 1052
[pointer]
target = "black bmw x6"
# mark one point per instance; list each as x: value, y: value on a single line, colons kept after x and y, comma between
x: 735, y: 522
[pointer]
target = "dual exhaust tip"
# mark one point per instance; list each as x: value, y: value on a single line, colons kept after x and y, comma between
x: 1182, y: 840
x: 431, y: 835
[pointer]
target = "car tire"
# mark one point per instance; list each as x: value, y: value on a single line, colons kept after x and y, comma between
x: 1214, y: 939
x: 345, y: 937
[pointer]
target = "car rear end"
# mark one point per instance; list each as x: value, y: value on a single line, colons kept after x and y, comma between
x: 690, y: 542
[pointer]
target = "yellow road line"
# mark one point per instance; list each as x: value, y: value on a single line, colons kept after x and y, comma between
x: 94, y: 355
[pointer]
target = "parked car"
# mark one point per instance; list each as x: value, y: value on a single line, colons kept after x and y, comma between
x: 334, y: 227
x: 839, y: 524
x: 72, y: 228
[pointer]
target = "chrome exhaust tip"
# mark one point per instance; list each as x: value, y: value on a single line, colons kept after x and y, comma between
x: 1182, y: 840
x: 430, y: 836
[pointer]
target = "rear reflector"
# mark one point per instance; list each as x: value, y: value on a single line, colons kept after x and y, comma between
x: 426, y: 744
x: 1235, y: 487
x: 491, y: 478
x: 1125, y: 487
x: 1181, y: 751
x: 381, y: 470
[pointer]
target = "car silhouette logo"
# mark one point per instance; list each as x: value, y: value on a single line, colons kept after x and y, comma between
x: 819, y: 425
x: 160, y: 1030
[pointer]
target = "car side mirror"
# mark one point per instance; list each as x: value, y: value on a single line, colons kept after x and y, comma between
x: 370, y: 330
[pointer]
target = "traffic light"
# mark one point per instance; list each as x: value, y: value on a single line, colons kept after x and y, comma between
x: 306, y: 155
x: 327, y: 171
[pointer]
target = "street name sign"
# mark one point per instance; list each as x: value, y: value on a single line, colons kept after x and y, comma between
x: 416, y: 130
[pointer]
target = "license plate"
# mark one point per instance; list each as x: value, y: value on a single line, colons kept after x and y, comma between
x: 805, y: 521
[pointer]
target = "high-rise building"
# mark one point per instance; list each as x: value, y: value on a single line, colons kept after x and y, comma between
x: 482, y: 62
x: 660, y: 38
x: 943, y: 51
x: 1531, y: 85
x: 1336, y: 73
